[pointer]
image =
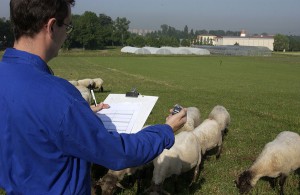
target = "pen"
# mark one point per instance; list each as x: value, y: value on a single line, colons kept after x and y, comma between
x: 93, y: 95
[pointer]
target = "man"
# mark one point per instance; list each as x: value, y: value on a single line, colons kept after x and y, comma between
x: 49, y: 134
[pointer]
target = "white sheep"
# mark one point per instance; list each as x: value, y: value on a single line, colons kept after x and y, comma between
x: 184, y: 155
x: 98, y: 84
x: 193, y: 119
x: 73, y: 82
x: 88, y: 83
x: 210, y: 136
x: 85, y: 92
x: 278, y: 158
x: 221, y: 115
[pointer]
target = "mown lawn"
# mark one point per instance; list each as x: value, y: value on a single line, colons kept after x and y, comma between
x: 262, y: 95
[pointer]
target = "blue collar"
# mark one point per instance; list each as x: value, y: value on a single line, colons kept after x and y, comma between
x: 14, y: 55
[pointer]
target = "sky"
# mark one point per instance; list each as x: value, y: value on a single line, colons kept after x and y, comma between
x: 255, y: 16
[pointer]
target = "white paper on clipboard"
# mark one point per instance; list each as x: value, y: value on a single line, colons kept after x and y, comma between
x: 126, y: 114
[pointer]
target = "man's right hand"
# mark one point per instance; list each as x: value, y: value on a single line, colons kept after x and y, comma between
x: 176, y: 121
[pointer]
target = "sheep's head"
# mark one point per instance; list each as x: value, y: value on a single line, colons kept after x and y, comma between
x: 243, y: 183
x: 108, y: 184
x: 155, y: 189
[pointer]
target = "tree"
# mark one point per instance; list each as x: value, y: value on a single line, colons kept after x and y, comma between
x: 294, y: 43
x: 281, y: 42
x: 217, y: 32
x: 185, y: 43
x: 136, y: 40
x: 105, y: 30
x: 185, y: 32
x: 120, y: 30
x: 85, y: 31
x: 6, y: 34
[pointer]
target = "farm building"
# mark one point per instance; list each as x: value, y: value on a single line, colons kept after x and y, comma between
x: 242, y: 40
x: 236, y: 50
x: 264, y: 41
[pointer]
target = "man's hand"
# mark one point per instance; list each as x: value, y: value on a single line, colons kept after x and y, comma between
x: 99, y: 107
x: 176, y: 121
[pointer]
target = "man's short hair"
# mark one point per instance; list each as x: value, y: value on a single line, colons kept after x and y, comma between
x: 29, y: 16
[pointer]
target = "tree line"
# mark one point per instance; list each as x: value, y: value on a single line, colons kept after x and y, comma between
x: 92, y: 31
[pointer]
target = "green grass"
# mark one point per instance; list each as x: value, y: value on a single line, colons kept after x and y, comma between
x: 261, y: 94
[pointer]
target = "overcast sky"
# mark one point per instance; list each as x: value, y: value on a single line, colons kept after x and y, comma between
x: 255, y: 16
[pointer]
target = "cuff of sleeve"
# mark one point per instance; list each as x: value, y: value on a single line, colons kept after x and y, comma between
x: 171, y: 136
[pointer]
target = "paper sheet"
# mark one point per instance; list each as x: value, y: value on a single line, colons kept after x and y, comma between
x: 126, y: 114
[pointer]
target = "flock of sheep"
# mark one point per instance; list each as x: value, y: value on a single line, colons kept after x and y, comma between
x: 86, y: 85
x: 277, y: 159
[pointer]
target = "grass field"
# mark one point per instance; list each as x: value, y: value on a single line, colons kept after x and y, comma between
x: 262, y: 95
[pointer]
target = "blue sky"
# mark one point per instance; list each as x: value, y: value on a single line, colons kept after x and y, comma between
x: 255, y: 16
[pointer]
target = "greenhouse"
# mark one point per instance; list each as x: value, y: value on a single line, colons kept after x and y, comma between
x: 135, y: 50
x: 165, y: 50
x: 235, y: 50
x: 156, y: 50
x: 179, y: 50
x: 198, y: 51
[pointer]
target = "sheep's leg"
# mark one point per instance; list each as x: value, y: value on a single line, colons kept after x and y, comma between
x: 219, y: 149
x: 156, y: 188
x: 281, y: 182
x: 196, y: 171
x: 176, y: 184
x: 273, y: 182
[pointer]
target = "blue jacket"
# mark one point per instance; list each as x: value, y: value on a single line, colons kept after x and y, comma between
x: 49, y: 135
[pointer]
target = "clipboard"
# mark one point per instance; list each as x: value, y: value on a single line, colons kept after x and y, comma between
x: 126, y: 114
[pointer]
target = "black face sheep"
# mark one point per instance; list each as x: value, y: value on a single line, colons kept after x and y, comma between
x: 111, y: 180
x: 88, y: 83
x: 184, y: 155
x: 85, y: 92
x: 193, y: 119
x: 73, y: 82
x: 98, y: 84
x: 278, y: 158
x: 221, y: 115
x: 209, y: 135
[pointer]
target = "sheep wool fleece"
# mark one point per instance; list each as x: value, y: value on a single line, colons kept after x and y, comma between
x: 49, y: 134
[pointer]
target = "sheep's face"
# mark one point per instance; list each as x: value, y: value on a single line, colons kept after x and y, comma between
x: 156, y: 189
x: 108, y: 184
x: 243, y: 182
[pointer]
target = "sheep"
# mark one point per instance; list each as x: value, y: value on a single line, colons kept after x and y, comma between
x: 73, y: 82
x: 193, y: 119
x: 112, y: 179
x: 221, y: 115
x: 278, y: 158
x: 210, y: 136
x: 98, y: 84
x: 88, y: 83
x: 184, y: 155
x: 85, y: 92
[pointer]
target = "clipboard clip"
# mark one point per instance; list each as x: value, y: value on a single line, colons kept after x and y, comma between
x: 132, y: 93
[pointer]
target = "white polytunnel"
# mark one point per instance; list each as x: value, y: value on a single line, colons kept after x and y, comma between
x: 128, y: 49
x: 165, y: 50
x: 198, y: 51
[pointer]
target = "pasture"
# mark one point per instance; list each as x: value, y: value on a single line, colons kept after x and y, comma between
x: 262, y: 95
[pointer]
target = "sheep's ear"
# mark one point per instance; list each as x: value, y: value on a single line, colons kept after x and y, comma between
x: 235, y: 182
x: 99, y: 182
x: 120, y: 185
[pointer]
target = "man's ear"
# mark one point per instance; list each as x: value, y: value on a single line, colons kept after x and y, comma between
x: 51, y: 26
